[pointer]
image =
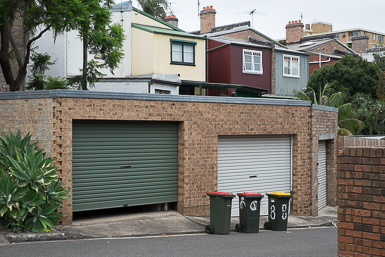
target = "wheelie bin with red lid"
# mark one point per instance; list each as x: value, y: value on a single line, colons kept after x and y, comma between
x: 220, y: 212
x: 278, y: 211
x: 249, y: 212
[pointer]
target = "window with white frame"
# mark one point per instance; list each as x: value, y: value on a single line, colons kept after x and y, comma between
x: 380, y: 40
x: 373, y: 36
x: 182, y: 52
x: 291, y: 66
x: 252, y: 61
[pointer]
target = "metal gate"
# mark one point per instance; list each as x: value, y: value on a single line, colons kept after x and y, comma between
x: 254, y: 164
x: 123, y: 164
x: 322, y: 175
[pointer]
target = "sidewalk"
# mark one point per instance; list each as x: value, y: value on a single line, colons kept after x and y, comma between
x: 151, y: 224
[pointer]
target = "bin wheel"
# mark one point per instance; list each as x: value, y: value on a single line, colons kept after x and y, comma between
x: 209, y: 229
x: 238, y: 227
x: 267, y: 225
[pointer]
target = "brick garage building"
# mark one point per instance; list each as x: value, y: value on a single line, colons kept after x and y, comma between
x: 52, y: 115
x: 361, y: 201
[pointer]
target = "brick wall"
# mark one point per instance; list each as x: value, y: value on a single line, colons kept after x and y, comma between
x: 21, y: 40
x: 361, y: 201
x: 32, y: 116
x: 244, y: 35
x: 324, y: 127
x: 207, y: 19
x: 199, y: 125
x: 329, y: 48
x: 360, y: 43
x: 4, y: 88
x: 294, y: 32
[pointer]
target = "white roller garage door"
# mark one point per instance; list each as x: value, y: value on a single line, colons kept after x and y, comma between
x: 322, y: 177
x: 254, y: 164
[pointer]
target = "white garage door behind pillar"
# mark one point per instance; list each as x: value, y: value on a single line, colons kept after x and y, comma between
x: 254, y: 164
x: 322, y: 175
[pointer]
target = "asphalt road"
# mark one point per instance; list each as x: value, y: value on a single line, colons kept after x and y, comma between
x: 298, y: 242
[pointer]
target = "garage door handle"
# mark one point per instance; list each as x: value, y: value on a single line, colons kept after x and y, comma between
x: 252, y: 176
x: 125, y: 167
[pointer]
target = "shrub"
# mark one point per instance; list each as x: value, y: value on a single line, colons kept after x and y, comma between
x: 30, y: 190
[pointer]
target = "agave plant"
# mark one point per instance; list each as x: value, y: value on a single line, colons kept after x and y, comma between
x: 30, y: 190
x: 347, y: 118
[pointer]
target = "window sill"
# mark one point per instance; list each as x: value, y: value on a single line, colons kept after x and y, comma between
x: 253, y: 72
x: 183, y: 63
x: 291, y: 76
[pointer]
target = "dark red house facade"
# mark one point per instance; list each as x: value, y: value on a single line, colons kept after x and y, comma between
x: 229, y: 62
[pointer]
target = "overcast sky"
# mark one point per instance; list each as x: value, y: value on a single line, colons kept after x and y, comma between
x: 271, y: 16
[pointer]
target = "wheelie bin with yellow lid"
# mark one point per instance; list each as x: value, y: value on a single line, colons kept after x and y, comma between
x: 278, y: 211
x: 220, y: 212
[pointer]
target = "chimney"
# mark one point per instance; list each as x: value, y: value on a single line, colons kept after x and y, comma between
x: 172, y: 20
x: 360, y: 44
x: 207, y: 19
x: 294, y: 31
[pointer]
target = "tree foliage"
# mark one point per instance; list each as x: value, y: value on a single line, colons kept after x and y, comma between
x: 38, y: 81
x: 349, y: 75
x: 30, y: 191
x: 39, y: 16
x: 154, y: 7
x: 348, y: 121
x: 371, y: 112
x: 101, y: 38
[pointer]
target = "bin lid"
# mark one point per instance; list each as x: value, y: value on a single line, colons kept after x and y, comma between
x: 249, y: 193
x: 219, y: 193
x: 278, y: 193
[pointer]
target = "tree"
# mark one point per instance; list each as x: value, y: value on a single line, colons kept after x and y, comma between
x: 154, y: 7
x: 101, y: 38
x: 38, y: 17
x: 38, y: 81
x: 349, y: 75
x: 371, y: 112
x: 379, y: 59
x: 347, y: 118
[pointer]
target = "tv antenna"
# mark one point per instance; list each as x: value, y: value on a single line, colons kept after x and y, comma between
x: 169, y: 7
x: 198, y: 8
x: 252, y: 17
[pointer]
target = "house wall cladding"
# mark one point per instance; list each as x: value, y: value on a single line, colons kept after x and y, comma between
x: 361, y: 201
x: 200, y: 122
x: 324, y: 127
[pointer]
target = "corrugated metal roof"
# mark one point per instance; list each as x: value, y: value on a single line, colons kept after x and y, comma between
x: 158, y: 30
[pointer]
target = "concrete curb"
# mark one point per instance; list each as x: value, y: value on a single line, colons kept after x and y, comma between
x: 32, y: 237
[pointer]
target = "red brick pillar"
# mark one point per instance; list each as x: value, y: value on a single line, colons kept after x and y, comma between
x: 361, y: 201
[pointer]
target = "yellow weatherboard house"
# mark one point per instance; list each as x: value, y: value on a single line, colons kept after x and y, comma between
x: 161, y: 48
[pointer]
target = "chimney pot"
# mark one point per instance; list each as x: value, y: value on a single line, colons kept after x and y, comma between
x: 211, y: 7
x: 204, y: 8
x: 299, y: 21
x: 289, y: 22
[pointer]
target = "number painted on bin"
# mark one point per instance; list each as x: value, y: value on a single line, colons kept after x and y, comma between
x: 284, y: 211
x: 272, y: 212
x: 242, y: 203
x: 253, y: 205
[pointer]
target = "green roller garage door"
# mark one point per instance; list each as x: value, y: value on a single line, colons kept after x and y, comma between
x: 123, y: 164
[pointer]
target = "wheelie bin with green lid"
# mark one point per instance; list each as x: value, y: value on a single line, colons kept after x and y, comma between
x: 278, y: 211
x: 220, y: 212
x: 249, y: 212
